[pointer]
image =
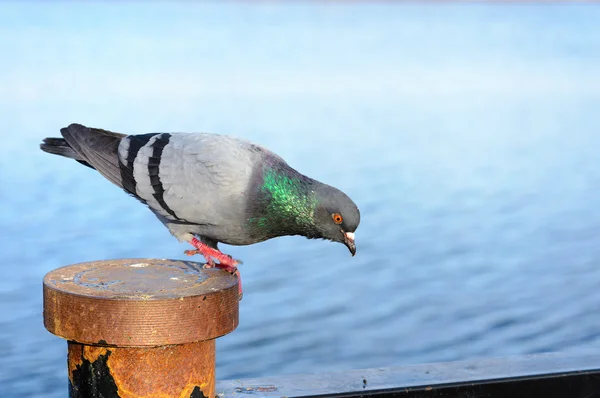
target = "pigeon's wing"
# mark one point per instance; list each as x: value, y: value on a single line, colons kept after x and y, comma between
x: 191, y: 178
x: 186, y: 179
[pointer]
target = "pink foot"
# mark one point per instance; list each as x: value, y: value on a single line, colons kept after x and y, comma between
x: 226, y: 262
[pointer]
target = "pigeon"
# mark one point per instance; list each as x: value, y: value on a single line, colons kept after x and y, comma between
x: 209, y: 189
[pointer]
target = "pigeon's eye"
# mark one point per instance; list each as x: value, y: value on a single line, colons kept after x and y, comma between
x: 337, y: 218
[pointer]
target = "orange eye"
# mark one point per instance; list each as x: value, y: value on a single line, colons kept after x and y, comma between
x: 337, y: 218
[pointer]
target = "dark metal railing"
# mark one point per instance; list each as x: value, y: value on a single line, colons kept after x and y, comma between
x: 543, y: 376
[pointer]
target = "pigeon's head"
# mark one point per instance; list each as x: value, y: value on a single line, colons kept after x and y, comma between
x: 336, y: 217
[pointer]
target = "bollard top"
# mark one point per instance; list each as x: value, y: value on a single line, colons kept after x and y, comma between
x: 140, y: 302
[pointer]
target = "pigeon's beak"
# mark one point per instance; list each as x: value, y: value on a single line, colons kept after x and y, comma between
x: 349, y: 242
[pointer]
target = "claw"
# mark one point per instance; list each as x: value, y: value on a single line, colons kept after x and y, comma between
x: 226, y: 262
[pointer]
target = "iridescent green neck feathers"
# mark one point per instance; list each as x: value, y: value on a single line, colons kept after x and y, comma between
x: 287, y: 202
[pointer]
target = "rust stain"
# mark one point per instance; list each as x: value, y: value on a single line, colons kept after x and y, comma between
x: 164, y: 372
x: 91, y: 353
x: 266, y: 388
x: 204, y: 386
x: 80, y: 352
x: 75, y: 359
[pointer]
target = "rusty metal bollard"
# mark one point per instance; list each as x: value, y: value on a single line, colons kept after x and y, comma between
x: 140, y: 327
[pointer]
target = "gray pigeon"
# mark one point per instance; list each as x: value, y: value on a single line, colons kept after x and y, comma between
x: 208, y: 188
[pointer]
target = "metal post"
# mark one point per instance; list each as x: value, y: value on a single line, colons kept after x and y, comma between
x: 140, y: 327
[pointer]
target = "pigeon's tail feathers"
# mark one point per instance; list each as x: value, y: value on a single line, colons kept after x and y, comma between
x: 58, y: 146
x: 95, y: 148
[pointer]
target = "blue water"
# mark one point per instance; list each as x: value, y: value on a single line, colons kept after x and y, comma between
x: 468, y: 136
